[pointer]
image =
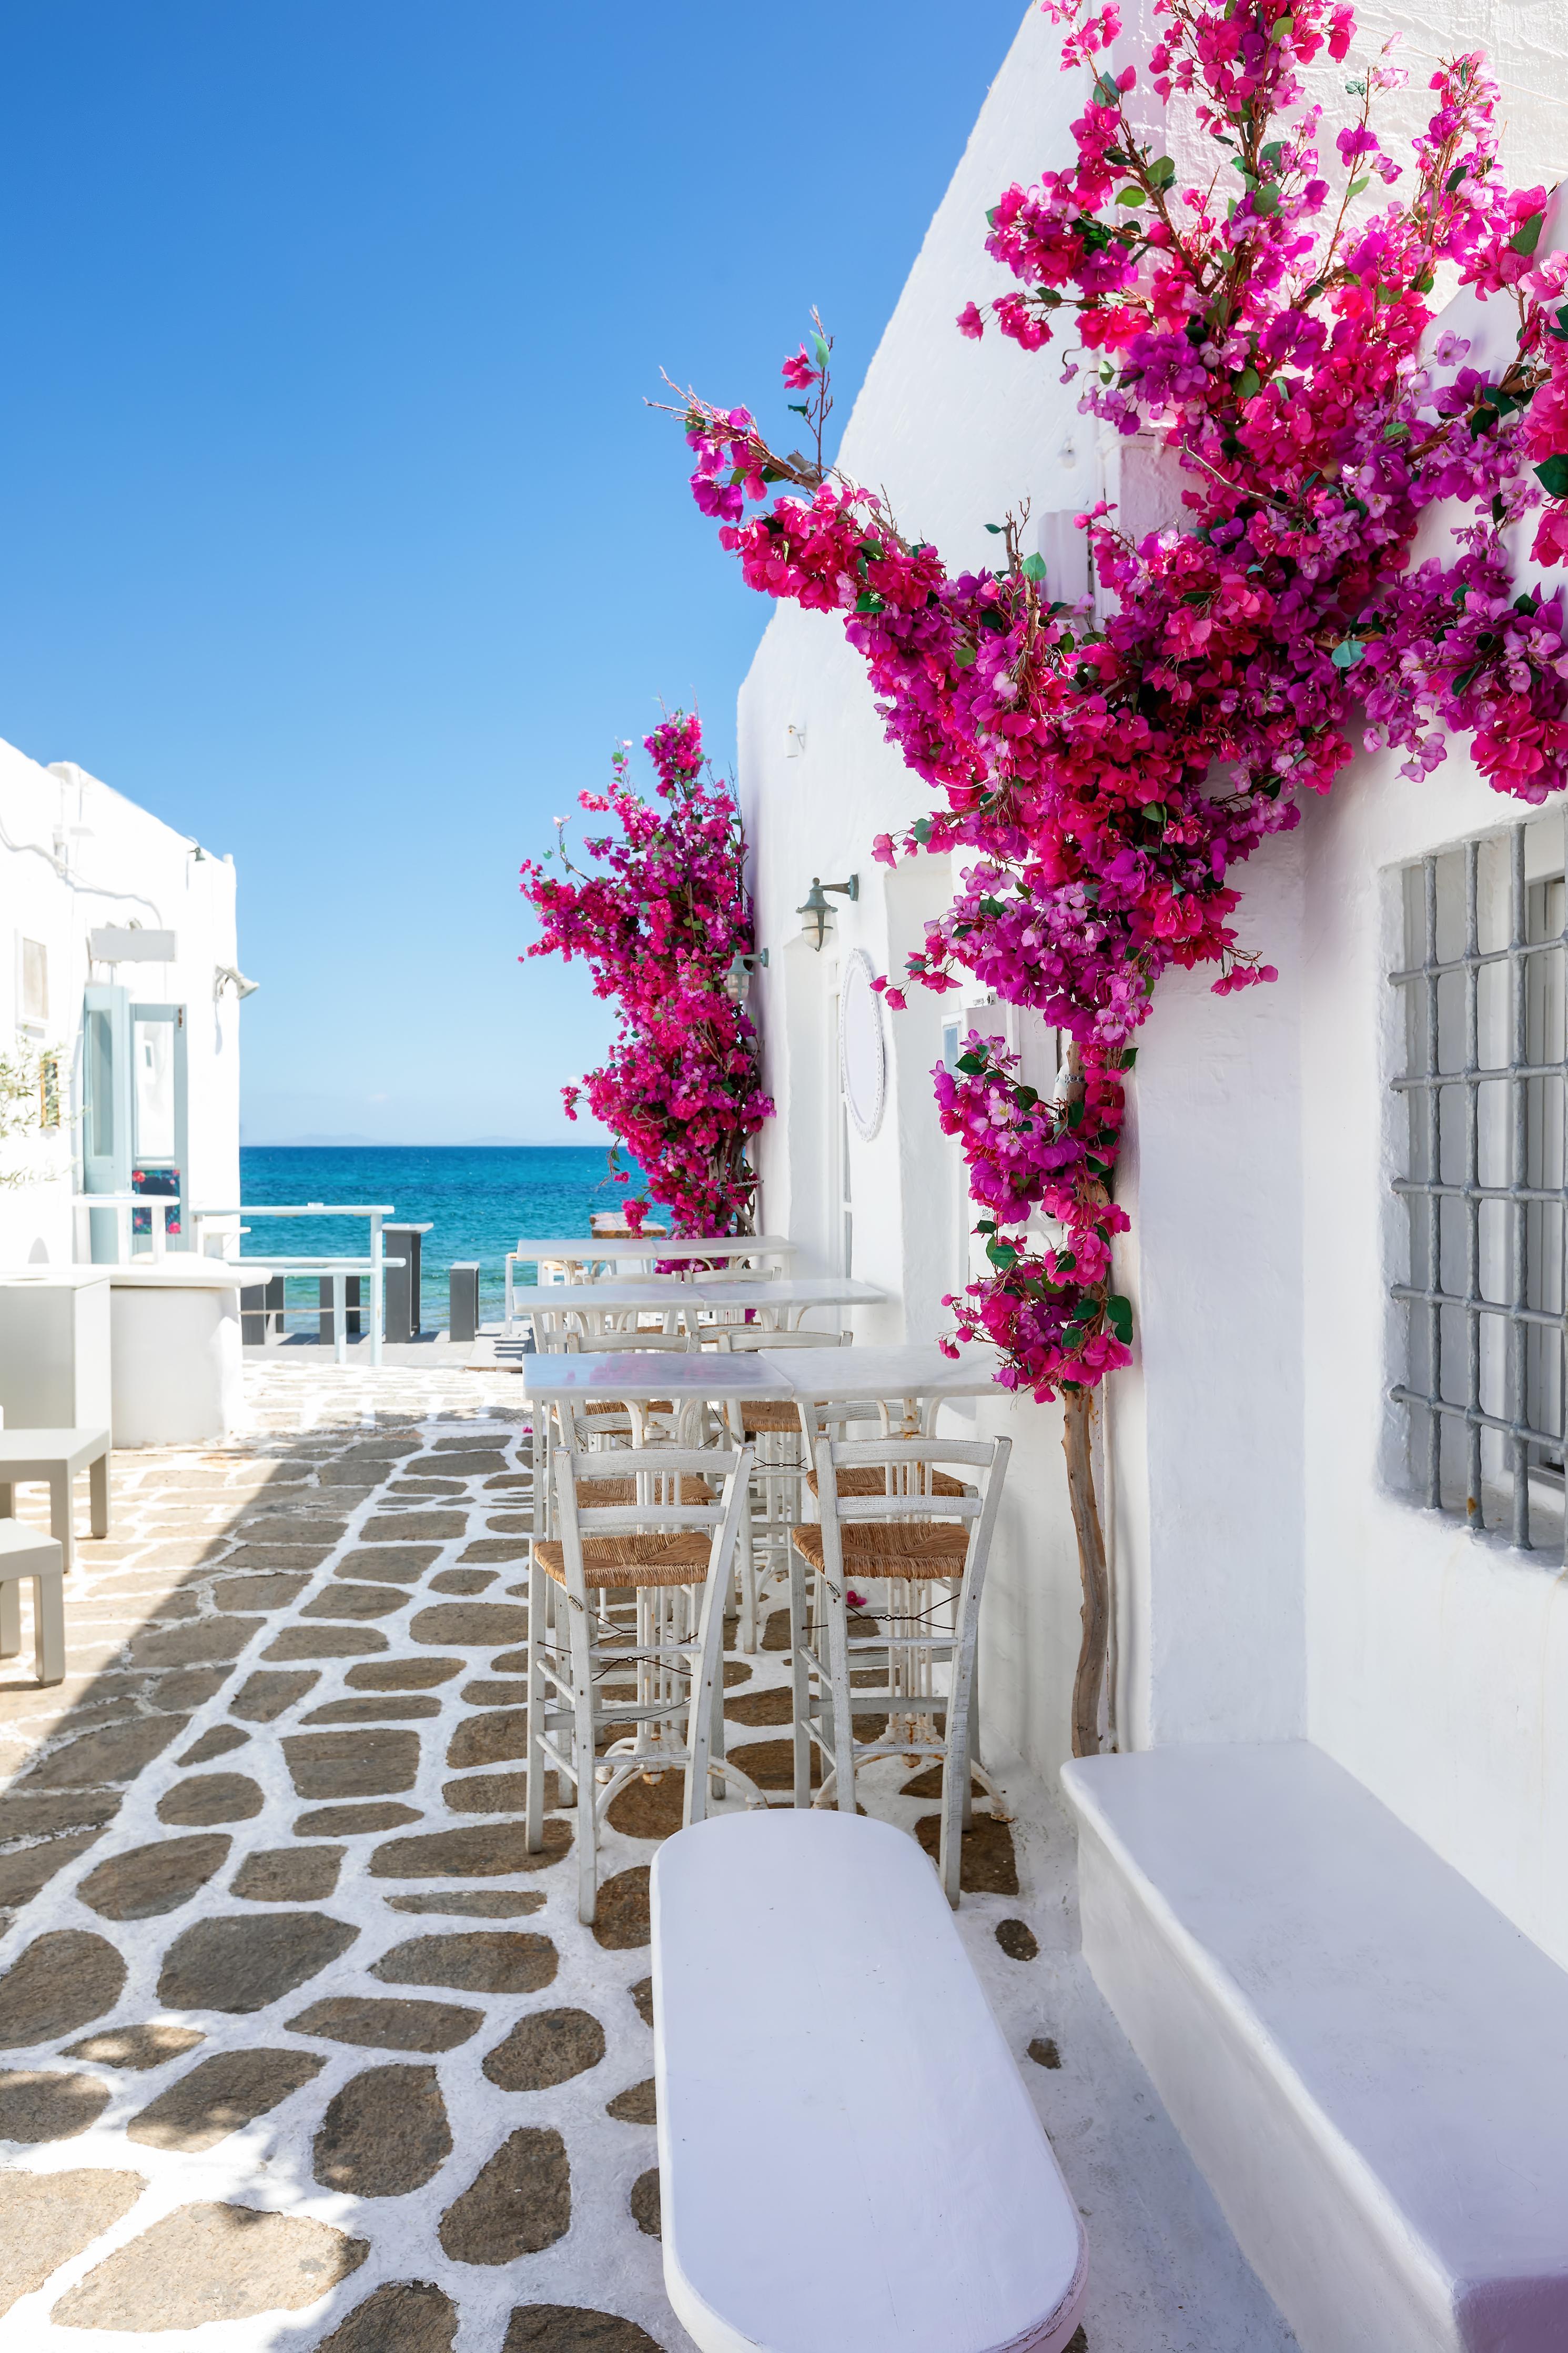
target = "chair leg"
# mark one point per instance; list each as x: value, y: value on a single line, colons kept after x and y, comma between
x: 10, y: 1617
x: 584, y: 1760
x: 98, y: 1495
x: 800, y: 1679
x: 61, y: 1502
x: 834, y: 1602
x: 49, y: 1629
x: 533, y: 1833
x: 708, y: 1684
x: 747, y: 1565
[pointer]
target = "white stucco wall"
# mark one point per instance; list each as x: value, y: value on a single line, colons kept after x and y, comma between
x: 75, y: 857
x: 1272, y: 1577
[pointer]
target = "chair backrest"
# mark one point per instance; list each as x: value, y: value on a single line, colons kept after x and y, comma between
x: 664, y: 1476
x: 908, y: 1464
x: 746, y: 1339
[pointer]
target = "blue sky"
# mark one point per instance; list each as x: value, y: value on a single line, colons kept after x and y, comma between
x: 333, y: 527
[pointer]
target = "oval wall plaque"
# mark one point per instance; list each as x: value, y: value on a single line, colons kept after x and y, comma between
x: 862, y: 1051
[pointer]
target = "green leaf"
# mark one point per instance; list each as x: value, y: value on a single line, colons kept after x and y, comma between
x: 1160, y: 172
x: 1034, y: 567
x: 1129, y: 195
x: 1359, y: 187
x: 1527, y: 237
x: 973, y: 1064
x: 922, y: 829
x: 1553, y: 475
x: 1280, y: 27
x: 1266, y: 199
x: 1348, y: 652
x: 870, y: 602
x: 819, y: 345
x: 1105, y: 90
x: 1271, y: 153
x: 995, y: 529
x: 798, y: 406
x: 1248, y: 383
x: 991, y: 213
x: 1450, y: 185
x: 1398, y: 431
x: 1119, y: 1315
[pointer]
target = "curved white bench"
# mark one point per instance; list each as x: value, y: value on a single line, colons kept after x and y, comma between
x: 849, y: 2161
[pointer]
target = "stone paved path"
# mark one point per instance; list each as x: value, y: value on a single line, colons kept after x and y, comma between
x: 298, y: 2046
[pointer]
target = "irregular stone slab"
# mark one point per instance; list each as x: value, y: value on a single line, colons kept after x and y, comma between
x: 43, y: 1817
x: 495, y: 1737
x: 216, y: 1743
x: 353, y: 1822
x: 642, y: 1995
x: 411, y: 2317
x: 490, y: 1850
x: 352, y: 1764
x: 389, y: 1564
x: 26, y: 1872
x: 497, y: 1549
x: 473, y: 1960
x: 986, y: 1863
x: 771, y: 1763
x: 462, y: 1580
x: 385, y: 2134
x: 1044, y: 2050
x: 461, y: 1462
x: 337, y: 1601
x: 652, y: 1809
x: 403, y: 1674
x: 48, y: 2217
x: 518, y: 2203
x: 300, y: 1558
x: 503, y: 1691
x: 511, y: 1662
x: 639, y: 2105
x: 268, y: 1590
x: 621, y: 1917
x: 416, y: 1528
x: 325, y: 1642
x: 277, y: 1529
x: 428, y: 1490
x: 116, y: 1753
x: 211, y: 1798
x: 220, y: 2096
x: 517, y: 1480
x: 388, y: 2025
x: 479, y: 1902
x: 495, y: 1793
x: 373, y: 1710
x: 644, y: 2202
x: 758, y: 1708
x: 472, y: 1622
x: 263, y: 1697
x: 288, y: 1874
x: 196, y: 1645
x: 137, y: 2046
x: 510, y: 1524
x: 151, y: 1880
x: 59, y: 1983
x: 572, y: 2328
x: 211, y: 2263
x: 929, y: 1783
x: 548, y: 2047
x: 241, y: 1962
x: 37, y: 2104
x: 1018, y: 1940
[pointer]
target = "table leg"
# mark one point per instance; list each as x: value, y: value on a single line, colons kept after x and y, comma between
x: 340, y: 1319
x: 98, y: 1493
x: 7, y: 1503
x: 377, y: 1290
x: 60, y: 1528
x: 10, y: 1617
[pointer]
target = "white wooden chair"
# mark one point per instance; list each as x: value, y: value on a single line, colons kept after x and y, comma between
x: 782, y: 1434
x: 630, y: 1587
x: 925, y: 1555
x: 24, y: 1553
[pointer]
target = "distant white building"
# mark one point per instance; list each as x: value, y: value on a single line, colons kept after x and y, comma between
x: 119, y: 1007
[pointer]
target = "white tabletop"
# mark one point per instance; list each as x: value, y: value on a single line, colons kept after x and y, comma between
x: 659, y: 1290
x: 184, y: 1273
x: 652, y: 1373
x: 823, y: 1373
x: 64, y: 1277
x: 590, y: 1248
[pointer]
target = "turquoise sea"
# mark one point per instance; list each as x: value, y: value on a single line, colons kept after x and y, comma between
x: 481, y: 1201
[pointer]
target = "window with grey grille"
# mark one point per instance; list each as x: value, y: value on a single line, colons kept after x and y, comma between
x: 1483, y: 1188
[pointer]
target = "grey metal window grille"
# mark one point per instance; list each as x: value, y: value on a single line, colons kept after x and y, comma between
x: 1484, y: 1188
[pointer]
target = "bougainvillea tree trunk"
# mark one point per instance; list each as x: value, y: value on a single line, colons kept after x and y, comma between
x: 1089, y: 1684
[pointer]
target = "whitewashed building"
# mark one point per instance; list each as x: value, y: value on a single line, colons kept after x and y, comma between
x: 119, y: 994
x: 1320, y: 1611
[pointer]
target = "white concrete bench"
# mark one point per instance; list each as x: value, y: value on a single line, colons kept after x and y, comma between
x: 1368, y: 2062
x: 25, y: 1553
x: 849, y: 2161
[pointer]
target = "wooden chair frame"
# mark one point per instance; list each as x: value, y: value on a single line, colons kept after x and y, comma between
x: 671, y: 1634
x: 909, y: 1645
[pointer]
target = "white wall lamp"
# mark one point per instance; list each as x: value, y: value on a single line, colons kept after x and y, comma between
x: 816, y: 910
x: 738, y: 979
x: 227, y: 976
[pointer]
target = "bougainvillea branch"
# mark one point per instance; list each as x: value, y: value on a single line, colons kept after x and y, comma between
x: 1105, y: 765
x: 661, y: 924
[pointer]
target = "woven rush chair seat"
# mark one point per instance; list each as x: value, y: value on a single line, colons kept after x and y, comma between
x: 904, y: 1549
x: 630, y: 1561
x: 600, y: 1494
x: 871, y: 1482
x: 655, y: 1405
x: 758, y: 1414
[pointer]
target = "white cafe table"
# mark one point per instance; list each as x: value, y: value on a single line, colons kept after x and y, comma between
x: 789, y: 1295
x: 821, y: 1375
x: 597, y: 1249
x: 175, y: 1356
